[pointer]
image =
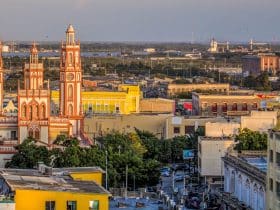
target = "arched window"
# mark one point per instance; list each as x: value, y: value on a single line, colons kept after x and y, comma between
x: 30, y: 112
x: 43, y: 111
x: 70, y: 92
x: 37, y: 111
x: 30, y: 133
x: 37, y: 134
x: 70, y: 58
x: 23, y: 112
x: 70, y: 109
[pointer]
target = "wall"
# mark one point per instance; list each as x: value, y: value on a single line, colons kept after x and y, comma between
x: 260, y: 120
x: 244, y: 188
x: 4, y: 158
x: 40, y: 197
x: 202, y: 104
x: 210, y: 154
x: 218, y: 129
x: 100, y: 125
x: 186, y: 125
x: 157, y: 105
x: 126, y: 99
x: 179, y: 88
x: 273, y: 170
x: 93, y: 176
x: 7, y: 206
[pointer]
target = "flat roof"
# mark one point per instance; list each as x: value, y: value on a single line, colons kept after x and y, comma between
x: 258, y: 162
x: 78, y: 169
x: 29, y: 179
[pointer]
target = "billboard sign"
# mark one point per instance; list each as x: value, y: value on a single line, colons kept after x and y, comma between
x: 188, y: 154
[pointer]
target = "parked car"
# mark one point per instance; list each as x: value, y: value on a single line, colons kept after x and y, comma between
x: 178, y: 177
x: 165, y: 174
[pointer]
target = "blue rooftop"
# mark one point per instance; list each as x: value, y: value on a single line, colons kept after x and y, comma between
x: 258, y: 162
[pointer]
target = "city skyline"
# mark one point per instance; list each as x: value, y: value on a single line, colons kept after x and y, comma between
x: 145, y: 21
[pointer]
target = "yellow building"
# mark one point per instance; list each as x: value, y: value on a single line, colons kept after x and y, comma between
x: 54, y: 189
x: 124, y: 101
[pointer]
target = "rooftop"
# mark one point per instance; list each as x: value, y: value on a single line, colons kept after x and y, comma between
x: 58, y: 181
x: 258, y: 162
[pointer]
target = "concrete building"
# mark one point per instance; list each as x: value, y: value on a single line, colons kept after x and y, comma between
x: 224, y: 105
x: 251, y: 65
x: 273, y: 171
x: 157, y: 105
x: 98, y: 125
x: 210, y: 152
x: 52, y: 188
x: 124, y: 101
x: 174, y: 89
x: 255, y: 64
x: 245, y: 181
x: 181, y: 126
x: 223, y: 128
x: 257, y: 121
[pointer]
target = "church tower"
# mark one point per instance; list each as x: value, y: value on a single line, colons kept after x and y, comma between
x: 71, y: 81
x: 1, y: 80
x: 33, y: 76
x: 34, y: 102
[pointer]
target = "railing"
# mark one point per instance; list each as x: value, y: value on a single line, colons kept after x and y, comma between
x: 33, y: 92
x: 232, y: 201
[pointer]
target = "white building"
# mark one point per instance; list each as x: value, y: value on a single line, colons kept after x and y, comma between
x: 210, y: 152
x: 273, y: 171
x: 244, y: 179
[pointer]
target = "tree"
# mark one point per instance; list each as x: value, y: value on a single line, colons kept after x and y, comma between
x: 251, y: 140
x: 28, y: 155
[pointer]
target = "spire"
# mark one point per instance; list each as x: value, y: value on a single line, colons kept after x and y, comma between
x: 33, y: 53
x: 70, y: 35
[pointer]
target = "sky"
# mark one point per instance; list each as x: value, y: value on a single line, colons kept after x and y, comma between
x: 141, y: 20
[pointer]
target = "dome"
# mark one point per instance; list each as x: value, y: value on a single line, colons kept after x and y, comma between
x: 70, y: 29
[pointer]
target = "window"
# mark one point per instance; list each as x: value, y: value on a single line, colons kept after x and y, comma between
x: 13, y: 135
x: 224, y: 107
x: 37, y: 134
x: 37, y: 111
x: 30, y: 112
x: 30, y: 133
x: 254, y: 106
x: 234, y: 107
x: 70, y: 92
x: 278, y: 189
x: 94, y: 205
x: 50, y: 205
x: 70, y: 110
x: 189, y: 129
x: 71, y: 205
x: 23, y: 111
x: 271, y: 156
x: 176, y: 130
x: 43, y: 112
x: 244, y: 107
x: 278, y: 159
x: 271, y: 184
x: 214, y: 107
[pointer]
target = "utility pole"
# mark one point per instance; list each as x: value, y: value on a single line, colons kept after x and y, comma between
x: 126, y: 173
x: 106, y: 181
